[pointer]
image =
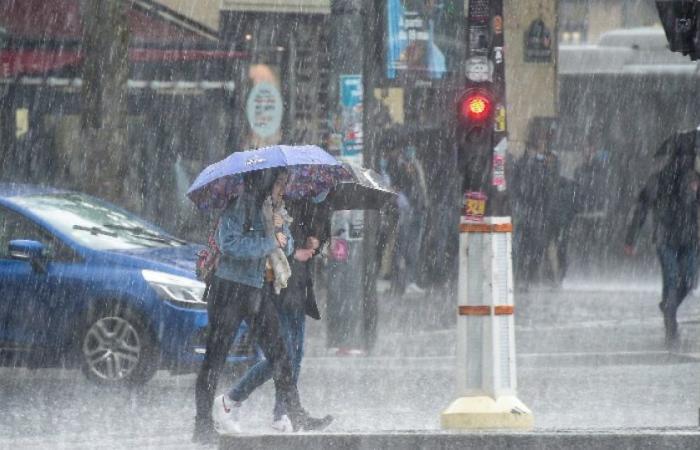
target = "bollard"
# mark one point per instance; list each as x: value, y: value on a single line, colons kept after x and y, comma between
x: 486, y: 372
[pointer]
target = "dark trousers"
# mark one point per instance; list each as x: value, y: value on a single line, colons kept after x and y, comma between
x: 228, y: 304
x: 293, y: 321
x: 530, y: 246
x: 678, y: 268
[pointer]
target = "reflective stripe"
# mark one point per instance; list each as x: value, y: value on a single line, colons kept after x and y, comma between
x: 485, y: 228
x: 484, y: 310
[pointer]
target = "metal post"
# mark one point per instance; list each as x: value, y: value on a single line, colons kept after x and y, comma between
x: 486, y: 372
x: 347, y: 309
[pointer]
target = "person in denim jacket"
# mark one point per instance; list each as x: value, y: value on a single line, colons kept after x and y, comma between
x: 246, y: 238
x: 310, y: 229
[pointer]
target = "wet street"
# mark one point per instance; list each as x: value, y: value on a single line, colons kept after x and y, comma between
x: 588, y: 358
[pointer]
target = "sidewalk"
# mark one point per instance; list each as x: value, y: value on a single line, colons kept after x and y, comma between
x: 556, y: 440
x: 581, y: 319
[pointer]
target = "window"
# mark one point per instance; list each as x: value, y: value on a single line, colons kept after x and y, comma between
x: 14, y: 226
x: 573, y: 22
x: 95, y: 224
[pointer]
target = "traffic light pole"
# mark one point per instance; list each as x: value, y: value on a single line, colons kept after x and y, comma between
x: 486, y: 371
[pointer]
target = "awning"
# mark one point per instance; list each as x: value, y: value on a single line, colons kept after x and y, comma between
x: 43, y: 37
x: 32, y: 62
x: 61, y: 20
x: 181, y: 86
x: 36, y: 62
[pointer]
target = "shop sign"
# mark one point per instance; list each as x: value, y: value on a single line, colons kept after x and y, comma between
x: 538, y: 43
x: 264, y: 109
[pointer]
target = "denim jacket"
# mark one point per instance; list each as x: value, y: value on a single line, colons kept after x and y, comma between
x: 243, y: 252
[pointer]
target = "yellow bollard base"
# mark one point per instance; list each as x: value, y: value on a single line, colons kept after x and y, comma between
x: 483, y: 412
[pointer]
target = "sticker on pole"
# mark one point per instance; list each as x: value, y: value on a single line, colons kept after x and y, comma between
x: 474, y: 206
x: 479, y: 69
x: 497, y: 25
x: 498, y: 55
x: 499, y: 123
x: 498, y: 174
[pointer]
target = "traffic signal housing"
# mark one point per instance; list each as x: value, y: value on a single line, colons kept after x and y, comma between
x: 680, y: 21
x: 475, y: 113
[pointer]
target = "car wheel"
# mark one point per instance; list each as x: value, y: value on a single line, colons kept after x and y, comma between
x: 118, y: 349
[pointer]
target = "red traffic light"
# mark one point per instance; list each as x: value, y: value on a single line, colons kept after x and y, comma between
x: 475, y: 106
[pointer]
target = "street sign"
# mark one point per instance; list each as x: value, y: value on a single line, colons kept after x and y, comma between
x: 351, y: 117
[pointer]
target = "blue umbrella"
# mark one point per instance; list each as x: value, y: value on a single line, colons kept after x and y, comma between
x: 311, y: 171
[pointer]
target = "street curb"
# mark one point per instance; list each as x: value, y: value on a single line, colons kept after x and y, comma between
x: 596, y: 440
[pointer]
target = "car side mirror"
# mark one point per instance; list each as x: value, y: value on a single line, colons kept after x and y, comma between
x: 30, y: 251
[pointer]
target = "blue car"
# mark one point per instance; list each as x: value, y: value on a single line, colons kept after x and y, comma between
x: 86, y: 284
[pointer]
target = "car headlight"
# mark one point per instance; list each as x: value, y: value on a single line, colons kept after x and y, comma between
x: 181, y: 291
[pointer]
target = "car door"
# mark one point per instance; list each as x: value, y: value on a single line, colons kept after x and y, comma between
x: 36, y: 306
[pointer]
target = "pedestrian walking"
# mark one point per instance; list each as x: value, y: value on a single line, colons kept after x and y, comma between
x: 309, y: 229
x: 672, y: 195
x: 562, y: 207
x: 245, y: 239
x: 593, y: 178
x: 534, y: 181
x: 412, y: 206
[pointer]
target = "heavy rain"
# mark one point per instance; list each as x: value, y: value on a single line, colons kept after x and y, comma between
x: 349, y: 224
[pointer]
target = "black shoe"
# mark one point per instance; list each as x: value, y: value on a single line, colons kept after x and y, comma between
x: 304, y: 422
x: 205, y: 434
x: 673, y: 342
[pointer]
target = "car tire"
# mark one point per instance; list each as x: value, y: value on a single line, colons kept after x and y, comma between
x: 117, y: 348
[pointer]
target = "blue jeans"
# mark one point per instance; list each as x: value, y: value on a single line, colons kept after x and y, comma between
x: 678, y: 268
x: 408, y: 247
x: 293, y: 323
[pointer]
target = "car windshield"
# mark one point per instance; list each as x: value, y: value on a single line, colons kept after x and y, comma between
x: 94, y: 224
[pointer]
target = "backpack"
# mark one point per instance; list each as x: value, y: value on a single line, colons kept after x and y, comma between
x: 208, y: 258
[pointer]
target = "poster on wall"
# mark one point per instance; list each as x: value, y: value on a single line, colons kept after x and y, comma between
x: 420, y: 37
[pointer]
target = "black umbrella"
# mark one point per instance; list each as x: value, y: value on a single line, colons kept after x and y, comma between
x: 677, y: 143
x: 365, y: 190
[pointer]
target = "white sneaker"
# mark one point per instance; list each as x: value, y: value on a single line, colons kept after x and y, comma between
x: 226, y: 416
x: 283, y: 425
x: 413, y: 288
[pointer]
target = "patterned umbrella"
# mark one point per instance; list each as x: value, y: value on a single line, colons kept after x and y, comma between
x: 311, y: 171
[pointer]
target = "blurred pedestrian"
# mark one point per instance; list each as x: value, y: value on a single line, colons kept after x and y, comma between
x: 593, y: 180
x: 245, y: 237
x: 309, y: 230
x: 535, y: 176
x: 388, y: 219
x: 672, y: 195
x: 412, y: 204
x: 562, y: 206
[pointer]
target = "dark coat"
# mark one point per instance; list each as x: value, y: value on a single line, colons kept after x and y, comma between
x: 534, y: 182
x: 309, y: 220
x: 562, y: 206
x: 672, y: 195
x: 300, y: 289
